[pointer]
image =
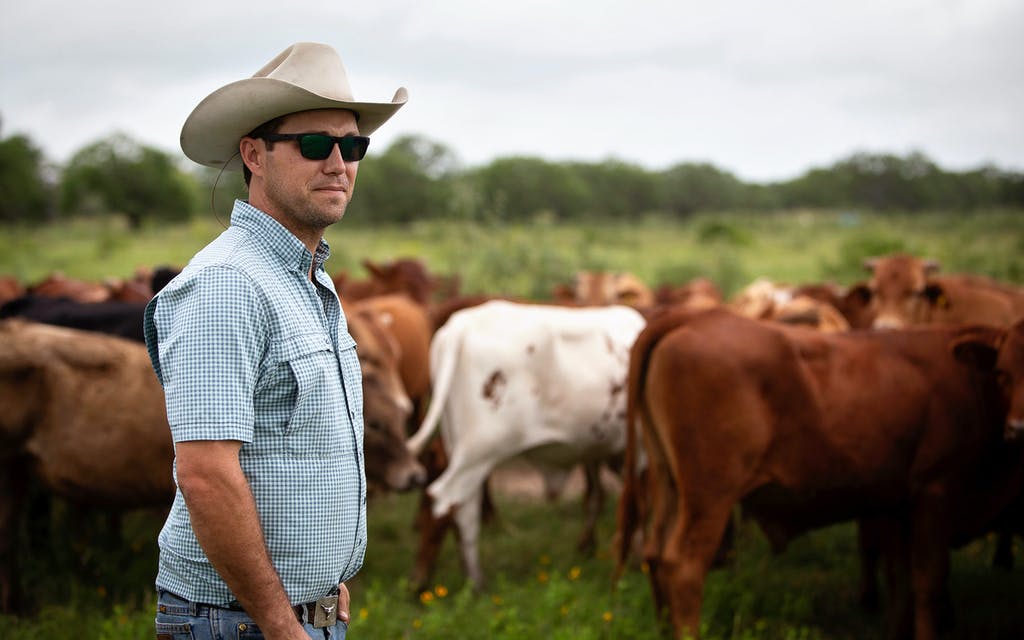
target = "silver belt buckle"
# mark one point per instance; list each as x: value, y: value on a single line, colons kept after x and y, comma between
x: 326, y: 612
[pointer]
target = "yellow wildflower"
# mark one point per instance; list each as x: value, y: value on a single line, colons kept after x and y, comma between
x: 542, y: 577
x: 574, y: 573
x: 364, y: 613
x: 426, y: 597
x: 607, y: 616
x: 440, y: 591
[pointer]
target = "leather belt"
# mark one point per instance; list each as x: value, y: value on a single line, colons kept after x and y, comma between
x: 322, y: 613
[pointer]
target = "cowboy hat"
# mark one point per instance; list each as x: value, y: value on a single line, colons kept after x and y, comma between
x: 305, y: 76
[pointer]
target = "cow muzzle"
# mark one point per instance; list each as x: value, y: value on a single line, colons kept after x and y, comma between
x: 1014, y: 429
x: 888, y: 322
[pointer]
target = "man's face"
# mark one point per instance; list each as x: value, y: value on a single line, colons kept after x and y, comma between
x: 306, y: 196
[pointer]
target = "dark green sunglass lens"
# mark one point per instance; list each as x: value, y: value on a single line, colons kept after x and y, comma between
x: 316, y: 147
x: 353, y: 148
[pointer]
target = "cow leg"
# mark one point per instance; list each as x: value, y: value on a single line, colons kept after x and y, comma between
x: 688, y: 554
x: 432, y: 532
x: 467, y: 519
x: 593, y: 500
x: 869, y: 546
x: 889, y: 538
x: 13, y: 489
x: 930, y: 536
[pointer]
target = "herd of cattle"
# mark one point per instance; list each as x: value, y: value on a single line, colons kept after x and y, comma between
x: 897, y: 402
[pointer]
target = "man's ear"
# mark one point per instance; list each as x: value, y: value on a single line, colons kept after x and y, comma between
x: 252, y: 153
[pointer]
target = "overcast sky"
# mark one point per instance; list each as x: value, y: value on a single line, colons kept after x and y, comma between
x: 764, y: 89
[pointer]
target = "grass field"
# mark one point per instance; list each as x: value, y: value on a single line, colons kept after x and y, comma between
x: 527, y: 260
x: 93, y: 582
x: 85, y: 579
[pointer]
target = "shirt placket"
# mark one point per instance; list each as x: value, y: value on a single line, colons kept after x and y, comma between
x: 331, y: 315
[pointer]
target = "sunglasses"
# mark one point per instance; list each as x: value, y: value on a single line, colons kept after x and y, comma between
x: 318, y: 146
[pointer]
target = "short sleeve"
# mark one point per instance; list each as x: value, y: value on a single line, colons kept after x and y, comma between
x: 211, y: 333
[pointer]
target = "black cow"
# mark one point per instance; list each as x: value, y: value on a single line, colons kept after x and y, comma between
x: 123, y: 319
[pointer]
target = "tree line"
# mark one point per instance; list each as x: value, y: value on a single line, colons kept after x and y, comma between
x: 415, y: 178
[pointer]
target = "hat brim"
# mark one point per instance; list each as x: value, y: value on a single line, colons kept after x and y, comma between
x: 212, y: 131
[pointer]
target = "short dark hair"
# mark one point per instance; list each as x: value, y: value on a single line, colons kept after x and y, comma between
x: 270, y: 126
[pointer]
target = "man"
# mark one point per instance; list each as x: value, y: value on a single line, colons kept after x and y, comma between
x: 260, y: 374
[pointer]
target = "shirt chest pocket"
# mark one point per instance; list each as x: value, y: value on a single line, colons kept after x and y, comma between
x: 309, y: 369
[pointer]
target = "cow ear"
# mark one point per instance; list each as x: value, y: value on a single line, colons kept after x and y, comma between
x: 931, y: 266
x: 936, y: 295
x: 859, y: 293
x: 978, y: 347
x: 371, y: 267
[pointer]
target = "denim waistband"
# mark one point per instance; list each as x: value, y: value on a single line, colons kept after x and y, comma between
x: 180, y: 606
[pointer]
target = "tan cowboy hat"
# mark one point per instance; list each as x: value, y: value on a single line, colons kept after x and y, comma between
x: 305, y: 76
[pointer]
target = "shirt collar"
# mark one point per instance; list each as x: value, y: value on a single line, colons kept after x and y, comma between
x: 274, y: 235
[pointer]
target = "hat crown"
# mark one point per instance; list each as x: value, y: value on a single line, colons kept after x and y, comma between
x: 314, y: 67
x: 303, y: 77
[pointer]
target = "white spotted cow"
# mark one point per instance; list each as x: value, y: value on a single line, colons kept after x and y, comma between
x: 543, y: 382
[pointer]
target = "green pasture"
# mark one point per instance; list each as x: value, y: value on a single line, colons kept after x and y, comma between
x: 527, y: 260
x: 91, y: 580
x: 93, y: 584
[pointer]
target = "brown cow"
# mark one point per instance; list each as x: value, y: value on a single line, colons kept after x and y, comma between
x: 1002, y: 351
x: 57, y: 285
x: 412, y: 326
x: 699, y: 293
x: 904, y: 291
x: 10, y: 288
x: 766, y: 300
x: 409, y: 324
x: 84, y: 413
x: 386, y: 406
x: 404, y: 275
x: 605, y: 288
x: 806, y: 429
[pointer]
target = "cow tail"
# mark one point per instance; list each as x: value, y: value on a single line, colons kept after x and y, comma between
x: 444, y: 355
x: 629, y: 508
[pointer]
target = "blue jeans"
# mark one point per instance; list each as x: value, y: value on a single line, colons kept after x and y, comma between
x: 179, y: 619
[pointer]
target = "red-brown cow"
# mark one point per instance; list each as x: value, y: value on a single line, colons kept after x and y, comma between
x: 1002, y: 351
x: 10, y: 288
x: 806, y: 429
x: 57, y: 285
x: 697, y: 294
x: 412, y: 327
x: 404, y: 275
x: 605, y: 288
x: 386, y: 406
x: 767, y: 300
x: 409, y: 324
x: 904, y: 291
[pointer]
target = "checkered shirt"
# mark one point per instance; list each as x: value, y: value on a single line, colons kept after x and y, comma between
x: 247, y: 348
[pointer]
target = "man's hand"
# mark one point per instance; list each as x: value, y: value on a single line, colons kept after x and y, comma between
x: 227, y: 526
x: 344, y: 604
